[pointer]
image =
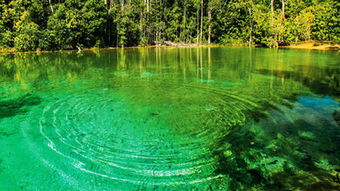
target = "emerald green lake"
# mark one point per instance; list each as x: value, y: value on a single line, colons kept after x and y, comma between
x: 170, y: 119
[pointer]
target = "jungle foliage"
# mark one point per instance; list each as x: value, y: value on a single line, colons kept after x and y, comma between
x: 69, y: 24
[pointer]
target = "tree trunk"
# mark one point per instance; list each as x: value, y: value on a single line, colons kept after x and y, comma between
x: 272, y: 11
x: 201, y: 32
x: 157, y: 28
x: 184, y: 25
x: 198, y: 24
x: 283, y: 8
x: 209, y: 29
x: 147, y: 29
x: 251, y: 26
x: 120, y: 27
x: 108, y: 24
x: 144, y: 19
x: 272, y: 6
x: 50, y: 2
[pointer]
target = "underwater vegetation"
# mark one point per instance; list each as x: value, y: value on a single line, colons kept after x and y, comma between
x: 12, y: 107
x: 293, y: 154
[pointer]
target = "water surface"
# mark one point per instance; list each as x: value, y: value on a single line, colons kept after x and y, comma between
x: 170, y: 119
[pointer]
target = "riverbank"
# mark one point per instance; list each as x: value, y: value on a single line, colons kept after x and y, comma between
x: 12, y: 50
x: 313, y: 46
x: 303, y: 45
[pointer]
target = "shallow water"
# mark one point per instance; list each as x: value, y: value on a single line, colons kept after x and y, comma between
x: 170, y: 119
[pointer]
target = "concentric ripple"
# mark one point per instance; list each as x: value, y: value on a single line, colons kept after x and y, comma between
x: 140, y: 136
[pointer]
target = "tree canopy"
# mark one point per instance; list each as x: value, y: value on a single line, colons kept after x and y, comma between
x: 67, y: 24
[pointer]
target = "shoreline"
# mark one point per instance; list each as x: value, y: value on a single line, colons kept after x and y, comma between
x: 313, y: 46
x: 303, y: 45
x: 13, y: 51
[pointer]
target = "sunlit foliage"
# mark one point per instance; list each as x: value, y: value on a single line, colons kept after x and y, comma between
x: 70, y: 24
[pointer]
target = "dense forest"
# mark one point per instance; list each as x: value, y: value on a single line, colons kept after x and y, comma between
x: 68, y: 24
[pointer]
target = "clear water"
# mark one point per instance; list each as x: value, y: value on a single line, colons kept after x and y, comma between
x: 170, y: 119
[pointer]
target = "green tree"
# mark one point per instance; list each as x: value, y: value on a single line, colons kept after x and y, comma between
x: 69, y: 24
x: 28, y: 32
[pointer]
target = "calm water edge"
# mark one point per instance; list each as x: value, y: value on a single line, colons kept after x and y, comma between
x: 170, y: 119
